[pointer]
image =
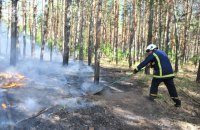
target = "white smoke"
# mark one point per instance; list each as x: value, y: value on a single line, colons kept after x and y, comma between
x: 47, y: 83
x: 29, y: 106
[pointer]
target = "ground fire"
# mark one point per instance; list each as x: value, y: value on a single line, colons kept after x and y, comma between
x: 4, y: 106
x: 11, y: 80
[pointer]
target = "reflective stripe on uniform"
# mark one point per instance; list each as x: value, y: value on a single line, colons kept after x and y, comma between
x: 159, y: 64
x: 153, y: 94
x: 174, y: 97
x: 164, y: 76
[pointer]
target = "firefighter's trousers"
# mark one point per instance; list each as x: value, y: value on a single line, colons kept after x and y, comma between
x: 170, y: 87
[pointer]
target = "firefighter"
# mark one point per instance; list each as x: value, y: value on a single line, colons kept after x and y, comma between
x: 163, y: 72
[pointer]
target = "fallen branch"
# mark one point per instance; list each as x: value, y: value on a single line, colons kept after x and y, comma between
x: 36, y: 115
x: 189, y: 96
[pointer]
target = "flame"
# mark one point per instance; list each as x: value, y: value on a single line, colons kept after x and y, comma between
x: 4, y: 106
x: 20, y: 76
x: 11, y: 80
x: 5, y: 76
x: 12, y: 85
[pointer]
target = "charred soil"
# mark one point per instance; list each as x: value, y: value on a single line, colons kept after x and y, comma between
x: 126, y: 107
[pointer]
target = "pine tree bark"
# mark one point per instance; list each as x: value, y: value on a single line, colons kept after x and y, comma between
x: 97, y: 46
x: 138, y: 33
x: 185, y: 33
x: 132, y: 34
x: 34, y: 29
x: 110, y: 23
x: 67, y: 31
x: 57, y: 24
x: 143, y: 29
x: 24, y: 27
x: 160, y: 24
x: 0, y: 20
x: 110, y: 26
x: 150, y: 23
x: 135, y: 31
x: 53, y: 21
x: 156, y: 23
x: 45, y: 31
x: 9, y: 25
x: 18, y: 31
x: 13, y: 50
x: 90, y: 40
x: 198, y: 74
x: 80, y: 40
x: 30, y: 22
x: 104, y: 19
x: 0, y: 10
x: 176, y: 39
x: 169, y: 14
x: 77, y: 30
x: 124, y: 30
x: 116, y: 30
x: 197, y: 40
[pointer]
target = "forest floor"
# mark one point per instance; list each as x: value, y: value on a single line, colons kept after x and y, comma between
x: 124, y: 106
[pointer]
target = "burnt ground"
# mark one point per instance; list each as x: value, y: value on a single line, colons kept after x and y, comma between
x: 123, y: 108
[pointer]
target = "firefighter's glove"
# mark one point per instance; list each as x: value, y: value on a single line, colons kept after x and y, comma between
x: 135, y: 71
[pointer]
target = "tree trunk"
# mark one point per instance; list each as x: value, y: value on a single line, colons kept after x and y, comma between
x: 160, y: 24
x: 150, y: 23
x: 9, y: 24
x: 18, y: 31
x: 176, y: 39
x: 77, y: 31
x: 189, y: 21
x: 110, y: 22
x: 45, y: 32
x: 116, y: 30
x: 98, y: 38
x: 57, y: 25
x: 143, y: 29
x: 138, y: 34
x: 197, y: 39
x: 24, y: 27
x: 80, y: 40
x: 53, y: 21
x: 34, y: 29
x: 90, y: 40
x: 30, y: 22
x: 198, y: 74
x: 13, y: 50
x: 67, y: 31
x: 168, y: 27
x: 0, y: 21
x: 156, y: 23
x: 104, y: 18
x: 124, y: 28
x: 135, y: 30
x: 132, y: 34
x: 185, y: 32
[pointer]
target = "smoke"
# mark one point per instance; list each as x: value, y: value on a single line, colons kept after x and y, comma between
x: 74, y: 103
x: 91, y: 88
x: 47, y: 83
x: 29, y: 106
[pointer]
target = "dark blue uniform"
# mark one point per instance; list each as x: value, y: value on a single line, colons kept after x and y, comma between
x: 163, y: 72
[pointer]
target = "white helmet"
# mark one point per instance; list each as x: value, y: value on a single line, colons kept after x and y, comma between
x: 151, y: 47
